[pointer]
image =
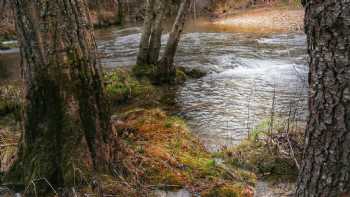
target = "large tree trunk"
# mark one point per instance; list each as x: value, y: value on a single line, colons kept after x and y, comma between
x: 166, y: 71
x: 326, y: 167
x: 66, y: 122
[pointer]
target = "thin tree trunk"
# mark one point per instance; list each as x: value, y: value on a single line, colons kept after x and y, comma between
x: 66, y: 118
x: 167, y: 72
x: 120, y: 14
x: 325, y: 171
x: 156, y: 35
x: 142, y: 58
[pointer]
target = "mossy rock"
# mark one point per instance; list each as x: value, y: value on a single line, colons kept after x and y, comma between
x: 181, y: 76
x: 194, y: 73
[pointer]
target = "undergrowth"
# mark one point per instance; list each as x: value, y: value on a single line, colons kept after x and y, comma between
x: 273, y: 154
x: 157, y: 151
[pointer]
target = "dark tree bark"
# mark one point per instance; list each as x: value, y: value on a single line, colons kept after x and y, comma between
x: 166, y: 69
x: 325, y: 170
x: 66, y: 117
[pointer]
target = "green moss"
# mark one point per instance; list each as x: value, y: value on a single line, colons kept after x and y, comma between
x: 173, y: 156
x: 144, y: 71
x: 175, y: 121
x: 204, y: 166
x: 122, y: 86
x: 181, y: 76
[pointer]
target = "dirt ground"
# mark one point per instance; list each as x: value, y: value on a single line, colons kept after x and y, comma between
x: 265, y: 19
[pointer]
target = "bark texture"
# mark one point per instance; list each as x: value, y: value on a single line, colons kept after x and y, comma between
x: 166, y: 71
x: 157, y: 31
x: 325, y: 170
x: 142, y: 57
x: 66, y: 120
x: 152, y: 33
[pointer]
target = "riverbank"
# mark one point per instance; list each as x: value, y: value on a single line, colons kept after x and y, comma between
x: 265, y: 19
x: 158, y: 152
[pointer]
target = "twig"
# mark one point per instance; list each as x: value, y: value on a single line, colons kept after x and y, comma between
x: 292, y: 152
x: 36, y: 180
x: 164, y: 186
x: 49, y: 185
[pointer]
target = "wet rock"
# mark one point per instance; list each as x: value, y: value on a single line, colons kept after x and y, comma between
x: 192, y: 72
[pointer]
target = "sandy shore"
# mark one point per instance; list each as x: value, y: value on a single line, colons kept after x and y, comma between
x: 265, y: 20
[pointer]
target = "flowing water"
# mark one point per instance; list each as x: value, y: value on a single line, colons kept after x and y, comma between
x: 248, y: 76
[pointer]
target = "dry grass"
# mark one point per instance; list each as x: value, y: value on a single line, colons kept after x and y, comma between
x: 160, y: 153
x: 274, y: 155
x: 8, y: 148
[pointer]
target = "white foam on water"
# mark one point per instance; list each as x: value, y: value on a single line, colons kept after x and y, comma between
x: 298, y: 39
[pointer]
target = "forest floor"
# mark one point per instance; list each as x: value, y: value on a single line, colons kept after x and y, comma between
x: 265, y: 19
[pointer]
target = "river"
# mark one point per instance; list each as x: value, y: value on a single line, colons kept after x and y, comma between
x: 249, y: 74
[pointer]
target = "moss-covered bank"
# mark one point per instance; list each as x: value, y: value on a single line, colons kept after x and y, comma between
x: 157, y: 151
x: 161, y: 153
